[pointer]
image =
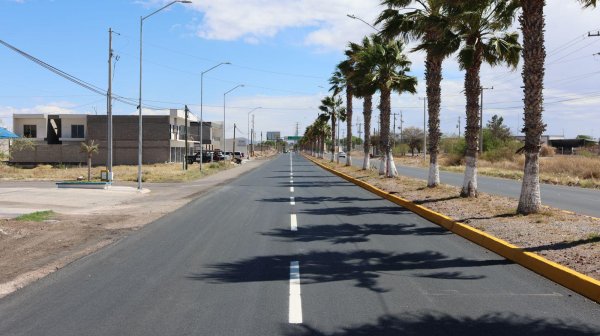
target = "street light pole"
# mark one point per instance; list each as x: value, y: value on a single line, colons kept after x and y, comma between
x: 201, y: 108
x: 224, y: 95
x: 142, y: 18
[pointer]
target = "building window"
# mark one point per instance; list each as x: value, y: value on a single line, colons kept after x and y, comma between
x: 77, y: 131
x: 30, y: 131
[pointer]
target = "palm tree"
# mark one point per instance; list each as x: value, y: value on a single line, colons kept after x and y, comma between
x: 339, y: 81
x: 332, y: 110
x: 430, y: 25
x: 363, y: 89
x: 479, y: 23
x: 89, y: 149
x: 534, y: 56
x: 388, y: 72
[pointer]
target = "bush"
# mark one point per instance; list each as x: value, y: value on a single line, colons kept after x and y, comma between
x: 454, y: 160
x: 400, y: 149
x: 455, y: 146
x: 547, y: 151
x: 505, y: 151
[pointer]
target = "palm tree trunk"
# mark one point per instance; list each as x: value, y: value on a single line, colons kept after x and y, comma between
x: 385, y: 109
x: 534, y: 55
x: 367, y: 111
x: 332, y: 136
x: 89, y: 164
x: 349, y: 94
x: 433, y: 77
x: 472, y: 91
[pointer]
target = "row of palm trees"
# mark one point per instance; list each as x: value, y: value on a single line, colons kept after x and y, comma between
x: 476, y: 31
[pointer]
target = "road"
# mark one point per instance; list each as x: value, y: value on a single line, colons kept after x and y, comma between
x: 579, y: 200
x: 273, y: 253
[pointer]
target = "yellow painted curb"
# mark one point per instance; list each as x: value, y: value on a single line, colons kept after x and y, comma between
x: 575, y: 281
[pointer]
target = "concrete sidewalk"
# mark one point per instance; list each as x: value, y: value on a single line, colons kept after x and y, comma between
x: 22, y: 197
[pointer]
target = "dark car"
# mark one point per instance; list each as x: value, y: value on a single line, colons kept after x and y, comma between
x: 218, y: 156
x: 207, y: 156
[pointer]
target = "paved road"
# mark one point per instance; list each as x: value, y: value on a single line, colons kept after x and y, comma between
x: 335, y: 260
x: 580, y: 200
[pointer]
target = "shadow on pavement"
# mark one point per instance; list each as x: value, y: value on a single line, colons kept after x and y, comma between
x: 351, y: 233
x: 356, y: 211
x: 564, y: 245
x: 436, y: 323
x: 363, y: 267
x: 319, y: 199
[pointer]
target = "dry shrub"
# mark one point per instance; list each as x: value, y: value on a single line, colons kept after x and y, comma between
x: 547, y: 151
x: 453, y: 159
x: 571, y: 165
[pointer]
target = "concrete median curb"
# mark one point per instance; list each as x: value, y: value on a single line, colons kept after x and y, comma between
x: 577, y: 282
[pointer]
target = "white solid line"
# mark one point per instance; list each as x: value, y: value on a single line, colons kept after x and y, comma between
x: 293, y: 222
x: 295, y: 315
x: 292, y: 200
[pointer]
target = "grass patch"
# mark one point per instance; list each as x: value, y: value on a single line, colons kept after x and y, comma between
x: 37, y: 216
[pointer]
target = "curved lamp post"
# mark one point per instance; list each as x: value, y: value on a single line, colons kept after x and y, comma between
x: 201, y: 105
x: 142, y: 18
x: 224, y: 95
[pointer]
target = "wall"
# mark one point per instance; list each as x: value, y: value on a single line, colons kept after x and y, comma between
x: 38, y: 120
x: 68, y: 120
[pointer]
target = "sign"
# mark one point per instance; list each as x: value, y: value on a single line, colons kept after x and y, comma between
x: 273, y: 136
x: 293, y: 138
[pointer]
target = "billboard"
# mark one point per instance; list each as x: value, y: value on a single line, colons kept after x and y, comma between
x: 273, y: 136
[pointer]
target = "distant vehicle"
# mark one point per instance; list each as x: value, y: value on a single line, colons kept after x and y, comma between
x: 208, y: 156
x: 342, y: 155
x: 218, y: 155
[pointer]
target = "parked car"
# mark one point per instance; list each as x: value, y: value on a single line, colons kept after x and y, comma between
x: 208, y: 156
x: 342, y: 155
x: 218, y: 156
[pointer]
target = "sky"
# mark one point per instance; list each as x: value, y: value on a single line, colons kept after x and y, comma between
x: 283, y: 51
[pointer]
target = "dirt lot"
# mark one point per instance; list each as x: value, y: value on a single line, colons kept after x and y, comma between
x: 30, y: 250
x: 569, y: 239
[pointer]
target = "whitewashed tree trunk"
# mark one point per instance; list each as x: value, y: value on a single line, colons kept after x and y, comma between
x: 391, y: 166
x: 531, y: 199
x: 382, y: 166
x: 348, y: 160
x: 332, y: 156
x: 434, y: 175
x: 366, y: 162
x: 469, y: 188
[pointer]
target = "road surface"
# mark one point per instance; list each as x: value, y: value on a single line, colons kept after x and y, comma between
x: 579, y: 200
x: 273, y: 253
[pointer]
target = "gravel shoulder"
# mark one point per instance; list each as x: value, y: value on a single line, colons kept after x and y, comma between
x: 566, y: 238
x: 32, y: 250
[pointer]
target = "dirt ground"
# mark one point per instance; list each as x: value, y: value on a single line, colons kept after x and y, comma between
x: 32, y: 250
x: 566, y: 238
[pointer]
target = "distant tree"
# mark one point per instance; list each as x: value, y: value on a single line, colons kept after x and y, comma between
x: 584, y: 137
x: 497, y: 128
x: 89, y: 149
x: 413, y: 137
x: 22, y: 144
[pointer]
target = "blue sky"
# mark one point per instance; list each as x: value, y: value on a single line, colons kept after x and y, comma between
x: 283, y: 51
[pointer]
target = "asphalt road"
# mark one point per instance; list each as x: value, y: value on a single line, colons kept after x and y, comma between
x: 247, y: 259
x: 579, y: 200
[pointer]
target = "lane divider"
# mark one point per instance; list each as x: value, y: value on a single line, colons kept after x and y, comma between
x: 292, y: 200
x: 293, y: 222
x: 295, y: 307
x: 575, y: 281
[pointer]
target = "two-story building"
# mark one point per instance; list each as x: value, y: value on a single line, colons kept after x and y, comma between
x: 58, y: 137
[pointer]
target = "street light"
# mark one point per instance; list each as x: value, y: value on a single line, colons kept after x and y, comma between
x: 225, y: 94
x: 142, y: 18
x: 250, y: 135
x: 365, y: 22
x: 201, y: 105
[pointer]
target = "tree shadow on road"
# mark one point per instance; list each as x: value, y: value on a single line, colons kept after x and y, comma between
x: 362, y: 267
x: 352, y: 233
x: 437, y: 323
x: 357, y: 210
x: 320, y: 199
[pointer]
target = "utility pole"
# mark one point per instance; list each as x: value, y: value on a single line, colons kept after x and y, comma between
x: 185, y: 163
x: 261, y: 143
x: 481, y: 88
x: 424, y: 127
x: 233, y: 150
x: 458, y: 126
x: 109, y: 126
x: 252, y: 138
x: 394, y: 129
x: 401, y: 124
x: 297, y: 126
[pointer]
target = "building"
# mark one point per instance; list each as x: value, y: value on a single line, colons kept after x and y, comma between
x: 58, y: 137
x: 545, y: 139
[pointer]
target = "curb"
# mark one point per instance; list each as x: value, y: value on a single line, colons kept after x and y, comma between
x: 571, y: 279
